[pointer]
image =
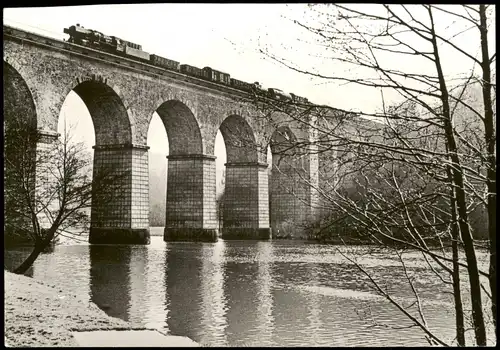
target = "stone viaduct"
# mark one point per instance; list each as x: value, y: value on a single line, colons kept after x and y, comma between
x: 121, y: 95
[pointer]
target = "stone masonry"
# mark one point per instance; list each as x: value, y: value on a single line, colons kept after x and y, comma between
x: 121, y: 214
x: 246, y: 206
x: 122, y: 95
x: 190, y: 208
x: 292, y: 202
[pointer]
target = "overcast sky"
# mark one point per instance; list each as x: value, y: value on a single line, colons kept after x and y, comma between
x: 225, y: 37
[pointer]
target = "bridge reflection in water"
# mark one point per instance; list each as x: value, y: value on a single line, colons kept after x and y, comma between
x: 110, y: 278
x: 183, y: 288
x: 191, y: 294
x: 214, y: 303
x: 242, y: 292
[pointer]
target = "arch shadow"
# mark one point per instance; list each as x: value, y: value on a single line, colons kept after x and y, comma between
x: 283, y: 141
x: 19, y: 105
x: 183, y: 131
x: 239, y: 139
x: 107, y: 110
x: 20, y: 143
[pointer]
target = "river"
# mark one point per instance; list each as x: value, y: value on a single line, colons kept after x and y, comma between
x: 243, y: 293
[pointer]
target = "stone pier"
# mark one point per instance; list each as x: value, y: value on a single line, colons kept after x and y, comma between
x: 45, y: 168
x: 120, y: 210
x: 246, y: 202
x: 294, y: 183
x: 191, y: 212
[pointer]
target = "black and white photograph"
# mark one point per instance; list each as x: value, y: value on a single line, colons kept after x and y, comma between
x: 250, y: 175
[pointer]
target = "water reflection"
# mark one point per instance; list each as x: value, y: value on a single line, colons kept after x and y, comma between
x: 110, y: 278
x: 138, y: 305
x: 265, y: 321
x: 157, y: 309
x: 243, y: 293
x: 314, y: 316
x: 183, y: 288
x: 291, y: 307
x: 242, y: 290
x: 213, y: 302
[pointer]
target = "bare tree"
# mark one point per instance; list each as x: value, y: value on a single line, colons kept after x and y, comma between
x: 413, y: 175
x: 49, y: 187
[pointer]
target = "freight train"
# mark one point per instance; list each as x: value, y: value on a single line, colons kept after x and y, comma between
x: 97, y: 40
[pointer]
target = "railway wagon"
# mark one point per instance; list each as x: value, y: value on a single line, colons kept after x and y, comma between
x: 216, y: 76
x: 259, y: 90
x: 132, y: 45
x: 191, y: 70
x: 278, y: 94
x: 129, y: 51
x: 164, y: 62
x: 242, y: 85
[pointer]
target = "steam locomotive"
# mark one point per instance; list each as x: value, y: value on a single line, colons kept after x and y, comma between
x: 112, y: 44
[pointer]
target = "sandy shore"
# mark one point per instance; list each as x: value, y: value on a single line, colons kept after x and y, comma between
x: 39, y: 314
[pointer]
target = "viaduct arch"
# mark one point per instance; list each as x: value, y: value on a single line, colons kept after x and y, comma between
x: 122, y: 96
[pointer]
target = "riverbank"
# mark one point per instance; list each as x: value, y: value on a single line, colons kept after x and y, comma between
x: 40, y: 314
